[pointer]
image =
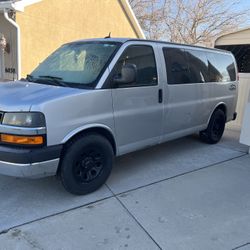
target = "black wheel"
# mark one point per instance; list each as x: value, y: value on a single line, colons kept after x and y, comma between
x: 86, y: 164
x: 215, y: 128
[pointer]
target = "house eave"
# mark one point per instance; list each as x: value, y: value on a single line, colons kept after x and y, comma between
x: 6, y: 5
x: 18, y: 6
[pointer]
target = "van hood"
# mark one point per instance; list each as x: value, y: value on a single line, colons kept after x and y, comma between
x: 21, y: 95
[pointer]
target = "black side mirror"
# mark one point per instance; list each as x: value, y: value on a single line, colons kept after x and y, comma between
x: 127, y: 76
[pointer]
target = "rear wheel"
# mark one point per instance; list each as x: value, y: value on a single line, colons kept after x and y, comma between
x: 86, y: 164
x: 215, y: 128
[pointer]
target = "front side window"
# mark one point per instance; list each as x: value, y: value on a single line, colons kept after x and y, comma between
x: 142, y: 56
x: 177, y: 66
x: 76, y: 64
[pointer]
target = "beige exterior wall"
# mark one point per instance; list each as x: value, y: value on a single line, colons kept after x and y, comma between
x: 50, y: 23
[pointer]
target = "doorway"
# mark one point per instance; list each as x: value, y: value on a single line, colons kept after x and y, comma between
x: 1, y: 64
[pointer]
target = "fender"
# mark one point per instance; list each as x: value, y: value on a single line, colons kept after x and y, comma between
x: 217, y: 105
x: 85, y: 127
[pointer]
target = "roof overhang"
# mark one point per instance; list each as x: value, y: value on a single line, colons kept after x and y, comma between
x: 16, y: 5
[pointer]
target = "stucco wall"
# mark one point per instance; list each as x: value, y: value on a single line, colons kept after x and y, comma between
x: 50, y: 23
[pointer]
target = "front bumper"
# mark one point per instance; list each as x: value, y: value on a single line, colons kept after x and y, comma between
x: 31, y: 170
x: 29, y: 163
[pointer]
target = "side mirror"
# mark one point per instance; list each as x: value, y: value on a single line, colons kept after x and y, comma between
x: 128, y: 75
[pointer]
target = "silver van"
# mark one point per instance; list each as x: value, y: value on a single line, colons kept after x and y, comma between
x: 95, y: 99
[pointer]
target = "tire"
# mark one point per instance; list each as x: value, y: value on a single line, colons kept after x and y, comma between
x: 87, y: 163
x: 215, y: 129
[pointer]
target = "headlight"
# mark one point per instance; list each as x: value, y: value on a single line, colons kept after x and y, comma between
x: 24, y: 119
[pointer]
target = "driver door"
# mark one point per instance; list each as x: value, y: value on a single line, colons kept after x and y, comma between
x: 138, y: 106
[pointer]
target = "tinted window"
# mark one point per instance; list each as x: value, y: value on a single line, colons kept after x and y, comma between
x: 177, y: 67
x: 143, y: 58
x: 221, y: 67
x: 198, y: 66
x: 242, y: 55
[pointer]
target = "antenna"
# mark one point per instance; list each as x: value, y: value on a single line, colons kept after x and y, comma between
x: 109, y: 36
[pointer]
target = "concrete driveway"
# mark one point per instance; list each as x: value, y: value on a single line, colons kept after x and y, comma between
x: 180, y: 195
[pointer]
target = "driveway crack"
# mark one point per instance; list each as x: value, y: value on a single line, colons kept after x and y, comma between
x: 5, y: 231
x: 134, y: 218
x: 239, y: 247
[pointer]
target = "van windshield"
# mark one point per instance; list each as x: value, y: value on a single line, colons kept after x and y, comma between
x: 77, y: 65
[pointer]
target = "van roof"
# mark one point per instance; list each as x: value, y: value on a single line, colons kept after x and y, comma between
x: 124, y: 40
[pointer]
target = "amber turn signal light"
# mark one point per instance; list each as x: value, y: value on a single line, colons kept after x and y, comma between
x: 23, y: 140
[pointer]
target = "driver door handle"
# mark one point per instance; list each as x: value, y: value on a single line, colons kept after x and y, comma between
x: 160, y: 96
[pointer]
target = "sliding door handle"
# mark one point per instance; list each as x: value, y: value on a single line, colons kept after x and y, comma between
x: 160, y: 96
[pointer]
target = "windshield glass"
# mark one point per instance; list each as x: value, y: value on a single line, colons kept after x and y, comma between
x: 75, y: 64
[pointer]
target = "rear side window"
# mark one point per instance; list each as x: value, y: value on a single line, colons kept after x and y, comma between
x: 142, y: 56
x: 198, y: 66
x: 177, y: 66
x: 221, y: 67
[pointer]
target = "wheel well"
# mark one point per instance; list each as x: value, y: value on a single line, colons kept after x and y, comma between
x: 98, y: 130
x: 223, y: 108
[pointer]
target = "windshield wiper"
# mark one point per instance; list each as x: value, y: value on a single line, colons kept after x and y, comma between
x: 51, y: 77
x: 57, y: 80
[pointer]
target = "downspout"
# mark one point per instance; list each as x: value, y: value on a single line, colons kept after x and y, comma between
x: 132, y: 18
x: 18, y: 46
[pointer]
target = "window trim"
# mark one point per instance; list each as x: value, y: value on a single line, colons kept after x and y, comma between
x: 109, y: 84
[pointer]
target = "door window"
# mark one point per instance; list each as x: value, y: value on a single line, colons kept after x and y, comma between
x: 142, y: 56
x: 198, y: 66
x: 177, y: 66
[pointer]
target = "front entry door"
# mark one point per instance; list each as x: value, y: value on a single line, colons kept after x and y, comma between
x: 138, y: 110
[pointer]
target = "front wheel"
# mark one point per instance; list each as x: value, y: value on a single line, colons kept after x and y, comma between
x: 215, y: 128
x: 86, y: 164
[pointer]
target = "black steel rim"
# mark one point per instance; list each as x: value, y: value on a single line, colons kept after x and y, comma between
x: 88, y: 166
x: 218, y: 127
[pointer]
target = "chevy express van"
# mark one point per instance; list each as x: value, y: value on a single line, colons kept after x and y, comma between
x: 95, y: 99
